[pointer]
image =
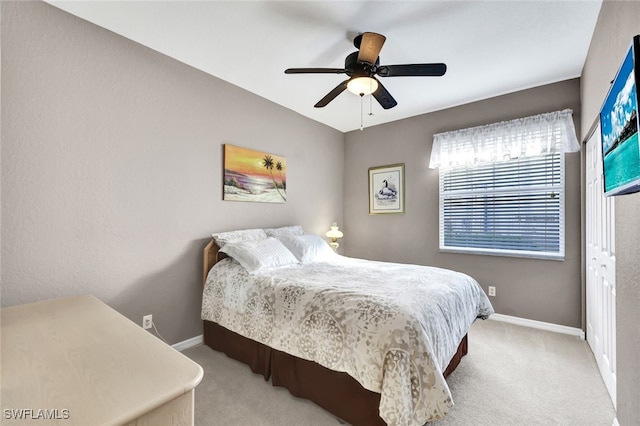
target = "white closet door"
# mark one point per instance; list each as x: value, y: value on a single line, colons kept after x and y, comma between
x: 601, y: 267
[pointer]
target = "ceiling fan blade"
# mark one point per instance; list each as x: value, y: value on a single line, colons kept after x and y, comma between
x: 370, y: 47
x: 332, y: 94
x: 383, y: 97
x: 315, y: 71
x: 412, y: 70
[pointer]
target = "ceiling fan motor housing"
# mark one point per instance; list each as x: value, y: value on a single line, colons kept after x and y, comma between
x: 359, y: 69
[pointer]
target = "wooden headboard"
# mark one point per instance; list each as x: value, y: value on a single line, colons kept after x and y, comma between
x: 211, y: 256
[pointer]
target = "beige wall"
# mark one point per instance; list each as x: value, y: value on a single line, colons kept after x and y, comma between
x: 111, y: 168
x: 543, y: 290
x: 617, y: 24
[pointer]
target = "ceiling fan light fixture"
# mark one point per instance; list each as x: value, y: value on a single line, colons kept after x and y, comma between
x: 362, y: 85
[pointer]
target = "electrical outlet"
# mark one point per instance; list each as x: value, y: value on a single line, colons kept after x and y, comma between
x: 147, y: 321
x: 492, y: 290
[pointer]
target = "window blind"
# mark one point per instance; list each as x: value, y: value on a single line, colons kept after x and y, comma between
x: 513, y: 207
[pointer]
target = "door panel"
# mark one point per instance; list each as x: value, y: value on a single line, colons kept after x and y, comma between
x: 601, y: 267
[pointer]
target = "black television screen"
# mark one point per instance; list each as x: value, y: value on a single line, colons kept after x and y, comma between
x: 619, y: 127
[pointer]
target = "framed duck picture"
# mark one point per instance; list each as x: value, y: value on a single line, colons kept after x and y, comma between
x: 386, y: 189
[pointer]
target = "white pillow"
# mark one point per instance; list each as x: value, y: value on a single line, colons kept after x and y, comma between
x: 230, y: 237
x: 260, y: 254
x: 284, y: 231
x: 308, y: 248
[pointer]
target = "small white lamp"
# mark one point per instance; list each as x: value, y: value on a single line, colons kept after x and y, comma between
x: 334, y: 234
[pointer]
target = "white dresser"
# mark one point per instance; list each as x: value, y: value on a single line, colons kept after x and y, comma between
x: 76, y: 361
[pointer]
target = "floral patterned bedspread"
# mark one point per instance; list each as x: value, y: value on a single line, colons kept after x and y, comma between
x: 393, y: 327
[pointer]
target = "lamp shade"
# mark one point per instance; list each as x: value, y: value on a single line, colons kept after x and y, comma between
x: 362, y: 85
x: 334, y: 233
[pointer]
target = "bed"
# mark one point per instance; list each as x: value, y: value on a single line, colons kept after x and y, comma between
x: 372, y: 344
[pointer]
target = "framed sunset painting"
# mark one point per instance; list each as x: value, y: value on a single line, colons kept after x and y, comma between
x: 256, y: 176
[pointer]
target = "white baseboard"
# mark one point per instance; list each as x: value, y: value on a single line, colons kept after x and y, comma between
x: 539, y: 324
x: 615, y: 422
x: 189, y: 343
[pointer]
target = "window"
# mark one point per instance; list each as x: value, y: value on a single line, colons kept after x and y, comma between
x: 511, y: 207
x: 502, y: 186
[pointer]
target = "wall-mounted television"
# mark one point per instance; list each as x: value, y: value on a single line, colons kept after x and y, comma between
x: 619, y: 127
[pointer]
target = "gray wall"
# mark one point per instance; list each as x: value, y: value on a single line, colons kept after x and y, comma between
x: 112, y: 168
x: 617, y: 24
x: 543, y: 290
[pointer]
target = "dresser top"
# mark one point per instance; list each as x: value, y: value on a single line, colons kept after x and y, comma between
x: 87, y: 362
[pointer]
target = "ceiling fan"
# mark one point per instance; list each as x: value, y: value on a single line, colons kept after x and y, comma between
x: 362, y: 67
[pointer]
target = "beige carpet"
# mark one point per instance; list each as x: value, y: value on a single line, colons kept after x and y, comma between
x: 512, y: 376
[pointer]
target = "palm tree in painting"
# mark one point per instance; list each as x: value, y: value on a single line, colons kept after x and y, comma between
x: 267, y: 162
x: 282, y: 181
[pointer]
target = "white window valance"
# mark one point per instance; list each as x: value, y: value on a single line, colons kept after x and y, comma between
x: 507, y: 140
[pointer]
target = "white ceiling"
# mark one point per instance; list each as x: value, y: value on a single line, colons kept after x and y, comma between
x: 490, y: 47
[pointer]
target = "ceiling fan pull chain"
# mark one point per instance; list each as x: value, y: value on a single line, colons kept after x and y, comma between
x: 371, y: 97
x: 361, y: 111
x: 371, y: 105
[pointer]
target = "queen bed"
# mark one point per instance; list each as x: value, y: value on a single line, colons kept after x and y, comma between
x: 371, y: 342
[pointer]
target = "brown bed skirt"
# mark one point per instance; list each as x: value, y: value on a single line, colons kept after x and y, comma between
x: 336, y: 392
